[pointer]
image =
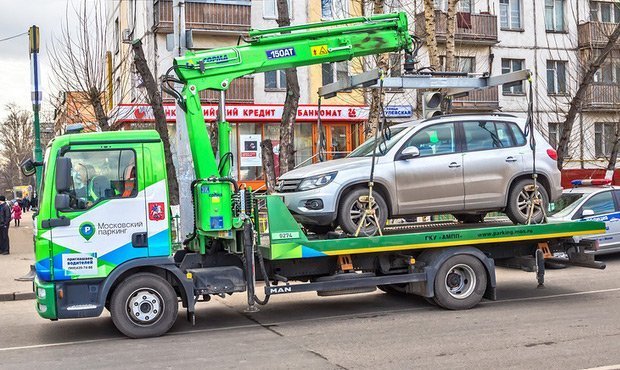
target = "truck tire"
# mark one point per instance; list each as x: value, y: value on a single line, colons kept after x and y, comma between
x: 460, y: 282
x: 144, y: 305
x: 351, y: 211
x: 518, y: 198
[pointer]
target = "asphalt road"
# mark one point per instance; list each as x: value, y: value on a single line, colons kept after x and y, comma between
x: 573, y: 323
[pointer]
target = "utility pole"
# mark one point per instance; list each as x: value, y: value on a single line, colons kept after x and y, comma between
x: 184, y: 163
x: 33, y: 37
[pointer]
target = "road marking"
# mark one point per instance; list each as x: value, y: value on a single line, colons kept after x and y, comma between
x: 553, y: 296
x: 608, y: 367
x: 6, y: 349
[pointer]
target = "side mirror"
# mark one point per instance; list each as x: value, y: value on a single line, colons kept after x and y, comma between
x: 28, y: 167
x: 62, y: 202
x: 63, y: 174
x: 410, y: 152
x: 587, y: 212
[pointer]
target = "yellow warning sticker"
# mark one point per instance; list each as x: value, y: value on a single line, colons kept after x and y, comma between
x: 319, y: 50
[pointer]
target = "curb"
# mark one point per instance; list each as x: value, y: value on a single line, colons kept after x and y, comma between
x: 16, y: 296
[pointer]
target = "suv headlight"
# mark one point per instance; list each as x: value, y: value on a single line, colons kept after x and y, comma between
x: 316, y: 181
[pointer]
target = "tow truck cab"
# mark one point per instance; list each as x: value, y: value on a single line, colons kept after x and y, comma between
x: 104, y: 202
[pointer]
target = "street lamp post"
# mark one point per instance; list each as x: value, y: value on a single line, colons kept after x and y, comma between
x: 34, y: 39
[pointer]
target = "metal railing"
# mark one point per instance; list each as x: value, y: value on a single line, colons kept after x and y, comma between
x: 483, y: 99
x: 594, y: 34
x: 602, y: 96
x: 205, y: 16
x: 472, y: 28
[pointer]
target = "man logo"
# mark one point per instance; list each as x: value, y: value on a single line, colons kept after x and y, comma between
x: 87, y: 230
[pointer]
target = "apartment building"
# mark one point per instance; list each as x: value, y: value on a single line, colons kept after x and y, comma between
x: 556, y: 40
x: 254, y: 103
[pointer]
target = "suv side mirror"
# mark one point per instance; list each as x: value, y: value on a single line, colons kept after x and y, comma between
x: 410, y: 152
x: 63, y: 174
x: 587, y: 212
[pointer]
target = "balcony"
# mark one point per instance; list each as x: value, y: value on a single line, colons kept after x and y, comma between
x: 205, y: 16
x: 474, y: 29
x: 241, y: 91
x: 602, y: 97
x: 594, y: 34
x: 478, y: 100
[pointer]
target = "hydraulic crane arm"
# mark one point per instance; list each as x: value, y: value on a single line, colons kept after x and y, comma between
x: 270, y: 50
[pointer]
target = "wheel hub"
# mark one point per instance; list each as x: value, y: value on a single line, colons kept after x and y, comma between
x: 460, y: 281
x: 144, y: 306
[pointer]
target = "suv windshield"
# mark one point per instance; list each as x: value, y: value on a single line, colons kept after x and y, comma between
x: 565, y: 204
x: 365, y: 150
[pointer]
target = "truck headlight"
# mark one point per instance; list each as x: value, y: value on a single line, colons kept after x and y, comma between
x: 42, y: 307
x: 41, y: 293
x: 316, y: 181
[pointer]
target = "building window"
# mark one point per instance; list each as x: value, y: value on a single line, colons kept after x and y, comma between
x: 464, y: 6
x: 604, y: 137
x: 556, y: 77
x: 334, y: 9
x: 117, y: 36
x: 554, y: 15
x: 275, y: 80
x: 608, y: 73
x: 604, y: 12
x: 554, y: 133
x: 270, y: 9
x: 461, y: 64
x: 332, y: 72
x: 510, y: 14
x: 512, y: 65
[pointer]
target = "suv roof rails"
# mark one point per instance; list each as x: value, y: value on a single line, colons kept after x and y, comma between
x: 499, y: 114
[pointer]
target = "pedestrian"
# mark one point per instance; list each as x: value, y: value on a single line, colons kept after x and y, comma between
x: 17, y: 214
x: 33, y: 202
x: 5, y: 221
x: 27, y: 204
x: 22, y: 204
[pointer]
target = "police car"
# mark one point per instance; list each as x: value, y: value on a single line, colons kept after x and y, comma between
x: 591, y: 200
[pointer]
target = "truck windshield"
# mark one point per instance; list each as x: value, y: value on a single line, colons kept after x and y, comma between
x: 565, y: 204
x: 365, y: 150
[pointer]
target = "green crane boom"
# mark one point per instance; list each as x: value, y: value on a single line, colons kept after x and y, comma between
x: 273, y: 49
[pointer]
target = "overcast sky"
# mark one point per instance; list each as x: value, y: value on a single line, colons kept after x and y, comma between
x: 16, y: 17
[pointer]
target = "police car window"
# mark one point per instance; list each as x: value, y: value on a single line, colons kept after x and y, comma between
x: 600, y: 203
x: 434, y: 140
x: 100, y: 175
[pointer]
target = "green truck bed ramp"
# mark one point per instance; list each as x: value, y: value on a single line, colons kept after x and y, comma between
x: 287, y: 240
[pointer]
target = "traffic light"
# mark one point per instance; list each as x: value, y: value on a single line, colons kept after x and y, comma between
x: 431, y: 104
x: 33, y: 36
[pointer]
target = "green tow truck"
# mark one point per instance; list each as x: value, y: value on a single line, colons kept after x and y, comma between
x: 103, y: 233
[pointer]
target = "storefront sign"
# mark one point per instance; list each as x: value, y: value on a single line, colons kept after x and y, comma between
x: 249, y: 148
x: 398, y: 111
x: 249, y: 113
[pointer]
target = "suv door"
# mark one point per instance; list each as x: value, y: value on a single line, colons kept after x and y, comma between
x: 605, y: 209
x: 491, y: 158
x: 433, y: 181
x: 107, y: 212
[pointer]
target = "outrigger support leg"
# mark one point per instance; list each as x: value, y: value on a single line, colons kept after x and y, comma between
x: 540, y: 268
x: 250, y: 278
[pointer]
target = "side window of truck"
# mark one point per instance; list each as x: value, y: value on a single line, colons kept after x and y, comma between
x: 100, y: 175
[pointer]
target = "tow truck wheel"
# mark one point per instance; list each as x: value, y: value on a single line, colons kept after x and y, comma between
x: 520, y: 200
x: 144, y: 305
x: 352, y: 209
x: 460, y: 282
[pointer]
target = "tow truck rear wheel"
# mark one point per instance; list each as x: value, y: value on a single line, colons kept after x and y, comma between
x: 144, y: 305
x: 460, y: 282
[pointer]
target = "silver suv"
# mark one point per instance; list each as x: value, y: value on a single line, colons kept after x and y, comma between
x: 466, y: 165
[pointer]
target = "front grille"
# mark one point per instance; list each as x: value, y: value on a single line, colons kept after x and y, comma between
x: 288, y: 186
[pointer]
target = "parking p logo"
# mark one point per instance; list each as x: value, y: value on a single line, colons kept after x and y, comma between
x: 87, y: 230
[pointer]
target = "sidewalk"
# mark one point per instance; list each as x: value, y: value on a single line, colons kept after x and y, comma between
x: 17, y: 263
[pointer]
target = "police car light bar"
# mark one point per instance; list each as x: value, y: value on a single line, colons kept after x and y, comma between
x: 591, y: 182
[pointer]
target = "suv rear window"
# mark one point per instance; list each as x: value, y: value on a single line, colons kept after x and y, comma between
x: 491, y: 135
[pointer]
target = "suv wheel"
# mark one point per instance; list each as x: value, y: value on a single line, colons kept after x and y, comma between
x: 352, y: 209
x: 520, y: 201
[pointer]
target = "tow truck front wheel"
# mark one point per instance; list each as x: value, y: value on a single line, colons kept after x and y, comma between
x: 460, y: 282
x: 144, y: 305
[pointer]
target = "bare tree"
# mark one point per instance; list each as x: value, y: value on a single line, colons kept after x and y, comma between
x: 291, y: 103
x: 155, y: 100
x: 16, y: 144
x: 431, y: 34
x: 450, y: 44
x: 78, y: 58
x: 577, y: 100
x: 377, y: 97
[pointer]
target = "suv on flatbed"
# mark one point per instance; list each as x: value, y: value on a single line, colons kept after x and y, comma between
x: 466, y: 165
